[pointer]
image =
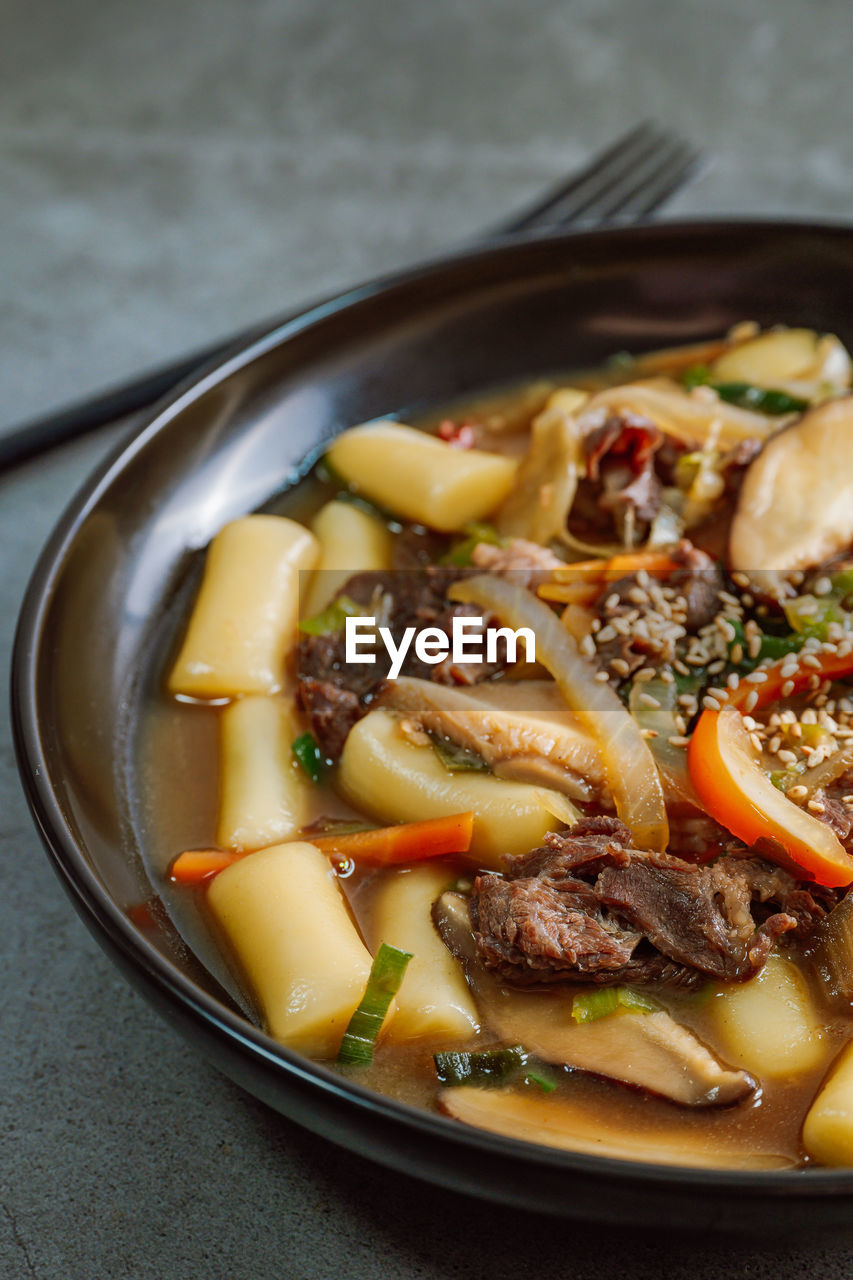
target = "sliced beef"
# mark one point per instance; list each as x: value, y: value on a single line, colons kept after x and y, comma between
x: 587, y: 907
x: 335, y: 694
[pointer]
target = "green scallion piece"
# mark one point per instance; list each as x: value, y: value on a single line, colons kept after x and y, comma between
x: 333, y: 618
x: 761, y: 399
x: 309, y: 756
x: 542, y: 1079
x: 486, y: 1067
x: 456, y: 759
x: 589, y: 1006
x: 475, y: 532
x: 386, y: 974
x: 744, y: 394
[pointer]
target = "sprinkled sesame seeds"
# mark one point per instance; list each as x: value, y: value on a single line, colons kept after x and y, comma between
x: 787, y: 757
x: 787, y: 689
x: 810, y: 660
x: 710, y: 704
x: 756, y: 677
x: 751, y: 700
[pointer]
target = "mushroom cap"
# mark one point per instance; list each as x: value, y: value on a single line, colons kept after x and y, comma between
x: 795, y: 507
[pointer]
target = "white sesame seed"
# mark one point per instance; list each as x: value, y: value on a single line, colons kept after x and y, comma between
x: 755, y: 740
x: 605, y: 634
x: 809, y: 716
x: 733, y: 680
x: 787, y: 688
x: 774, y: 744
x: 648, y: 733
x: 809, y: 660
x: 646, y: 700
x: 667, y: 676
x: 788, y: 669
x: 751, y: 700
x: 613, y: 601
x: 602, y: 677
x: 645, y: 673
x: 740, y: 579
x: 587, y: 646
x: 799, y: 792
x: 754, y: 646
x: 736, y: 654
x: 684, y: 670
x: 678, y: 740
x: 756, y: 677
x: 620, y: 666
x: 816, y: 806
x: 787, y: 757
x: 710, y: 704
x: 720, y: 694
x: 822, y: 587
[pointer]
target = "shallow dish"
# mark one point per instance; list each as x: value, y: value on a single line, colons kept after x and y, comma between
x: 230, y: 443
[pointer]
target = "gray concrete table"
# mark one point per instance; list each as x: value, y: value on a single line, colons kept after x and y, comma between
x: 172, y: 172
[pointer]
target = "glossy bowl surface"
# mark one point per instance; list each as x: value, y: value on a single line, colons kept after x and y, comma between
x: 228, y: 444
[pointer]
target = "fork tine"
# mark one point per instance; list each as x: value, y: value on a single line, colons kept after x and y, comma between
x: 572, y: 196
x: 614, y: 159
x: 661, y: 185
x: 613, y: 197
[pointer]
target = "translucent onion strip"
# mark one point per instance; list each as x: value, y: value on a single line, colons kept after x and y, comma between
x: 628, y: 763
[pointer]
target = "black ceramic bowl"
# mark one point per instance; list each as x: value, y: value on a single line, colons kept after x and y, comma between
x: 226, y: 445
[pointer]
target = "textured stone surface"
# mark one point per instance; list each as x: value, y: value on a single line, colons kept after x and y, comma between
x: 170, y: 173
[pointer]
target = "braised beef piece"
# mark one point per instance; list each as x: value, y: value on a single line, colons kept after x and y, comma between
x: 415, y: 547
x: 587, y: 907
x: 335, y: 694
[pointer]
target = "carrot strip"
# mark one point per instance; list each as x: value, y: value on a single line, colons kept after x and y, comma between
x: 409, y: 842
x: 618, y: 566
x: 384, y: 846
x: 197, y: 865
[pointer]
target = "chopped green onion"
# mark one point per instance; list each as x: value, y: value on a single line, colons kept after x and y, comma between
x: 333, y: 618
x: 589, y: 1006
x: 476, y: 532
x: 545, y: 1081
x: 386, y: 974
x: 761, y: 399
x: 698, y: 375
x: 457, y: 759
x: 310, y: 756
x: 811, y: 615
x: 629, y: 998
x: 488, y: 1066
x: 744, y: 394
x: 771, y: 647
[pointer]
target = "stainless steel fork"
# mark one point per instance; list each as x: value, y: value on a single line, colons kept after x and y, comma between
x: 626, y: 182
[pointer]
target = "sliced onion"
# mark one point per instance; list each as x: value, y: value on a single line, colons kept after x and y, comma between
x: 629, y: 766
x: 681, y: 415
x: 544, y: 490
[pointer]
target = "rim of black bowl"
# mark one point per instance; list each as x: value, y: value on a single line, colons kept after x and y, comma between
x: 118, y: 934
